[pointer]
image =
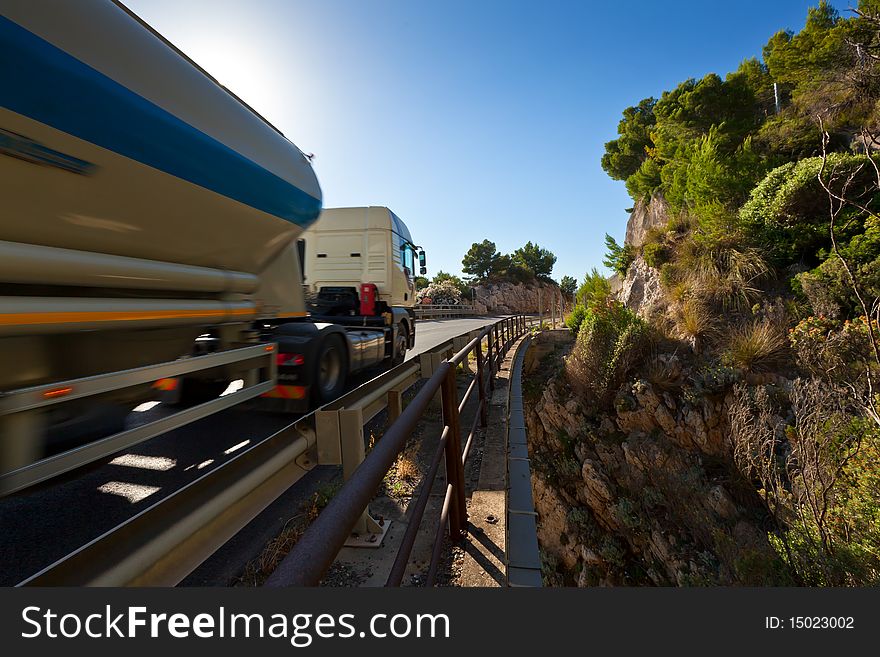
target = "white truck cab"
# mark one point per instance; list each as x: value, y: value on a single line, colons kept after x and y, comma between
x: 348, y: 247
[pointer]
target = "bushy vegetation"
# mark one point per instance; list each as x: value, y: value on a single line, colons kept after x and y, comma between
x: 442, y: 292
x: 594, y: 290
x: 817, y: 475
x: 787, y: 211
x: 755, y: 346
x: 592, y: 294
x: 576, y: 318
x: 770, y: 269
x: 611, y: 340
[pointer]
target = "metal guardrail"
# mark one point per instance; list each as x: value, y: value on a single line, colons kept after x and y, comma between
x: 437, y: 311
x: 316, y: 550
x: 166, y: 541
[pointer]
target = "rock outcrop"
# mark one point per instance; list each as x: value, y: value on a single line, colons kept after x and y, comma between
x: 504, y: 298
x: 640, y: 494
x: 641, y: 291
x: 653, y: 213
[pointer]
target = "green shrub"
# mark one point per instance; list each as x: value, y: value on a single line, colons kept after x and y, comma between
x: 789, y: 211
x: 710, y: 380
x: 834, y: 350
x: 610, y: 342
x: 815, y: 458
x: 828, y: 287
x: 576, y: 318
x: 655, y: 254
x: 594, y: 291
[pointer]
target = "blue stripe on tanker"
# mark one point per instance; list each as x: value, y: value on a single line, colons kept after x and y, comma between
x: 48, y: 85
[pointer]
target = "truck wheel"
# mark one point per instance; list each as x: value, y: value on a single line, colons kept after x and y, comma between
x: 401, y: 342
x: 331, y: 368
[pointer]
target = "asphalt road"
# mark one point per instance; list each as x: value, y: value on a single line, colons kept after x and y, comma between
x: 45, y: 523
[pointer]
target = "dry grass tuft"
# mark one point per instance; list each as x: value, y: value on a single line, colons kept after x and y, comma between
x: 257, y: 571
x: 407, y: 468
x: 756, y: 346
x: 694, y: 320
x: 721, y: 275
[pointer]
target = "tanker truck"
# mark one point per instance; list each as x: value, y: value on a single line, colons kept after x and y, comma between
x: 149, y: 231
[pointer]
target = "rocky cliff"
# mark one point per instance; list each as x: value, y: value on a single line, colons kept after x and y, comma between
x: 640, y: 289
x: 504, y: 298
x: 643, y: 494
x: 653, y: 213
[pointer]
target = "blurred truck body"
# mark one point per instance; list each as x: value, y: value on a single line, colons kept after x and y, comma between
x: 149, y: 230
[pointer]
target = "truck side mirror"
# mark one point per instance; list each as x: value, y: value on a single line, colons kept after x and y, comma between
x: 423, y: 270
x: 422, y: 260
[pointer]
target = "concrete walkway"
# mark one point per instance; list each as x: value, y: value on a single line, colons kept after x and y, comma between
x: 484, y: 547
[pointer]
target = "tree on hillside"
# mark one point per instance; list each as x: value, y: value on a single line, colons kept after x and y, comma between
x: 536, y: 260
x: 618, y: 258
x: 568, y: 286
x: 481, y: 260
x: 421, y: 282
x: 626, y: 154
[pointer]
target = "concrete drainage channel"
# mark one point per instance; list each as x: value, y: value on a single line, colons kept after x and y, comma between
x: 523, y: 557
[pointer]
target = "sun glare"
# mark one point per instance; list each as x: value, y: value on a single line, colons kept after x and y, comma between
x: 241, y: 70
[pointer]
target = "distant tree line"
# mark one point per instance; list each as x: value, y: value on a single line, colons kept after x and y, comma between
x: 484, y: 263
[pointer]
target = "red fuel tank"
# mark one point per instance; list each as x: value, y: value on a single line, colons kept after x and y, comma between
x: 369, y: 294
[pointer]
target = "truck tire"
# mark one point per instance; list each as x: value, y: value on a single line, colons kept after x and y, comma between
x: 401, y: 343
x: 331, y: 369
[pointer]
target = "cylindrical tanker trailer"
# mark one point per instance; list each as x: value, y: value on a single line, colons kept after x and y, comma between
x: 144, y: 209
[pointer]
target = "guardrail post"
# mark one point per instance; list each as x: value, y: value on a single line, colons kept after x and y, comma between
x: 395, y: 405
x: 351, y: 432
x: 489, y: 360
x: 481, y: 384
x: 327, y: 433
x: 454, y: 468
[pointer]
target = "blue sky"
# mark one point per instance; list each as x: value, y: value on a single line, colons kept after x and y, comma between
x: 471, y: 120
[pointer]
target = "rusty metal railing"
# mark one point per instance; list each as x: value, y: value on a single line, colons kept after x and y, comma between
x: 316, y: 550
